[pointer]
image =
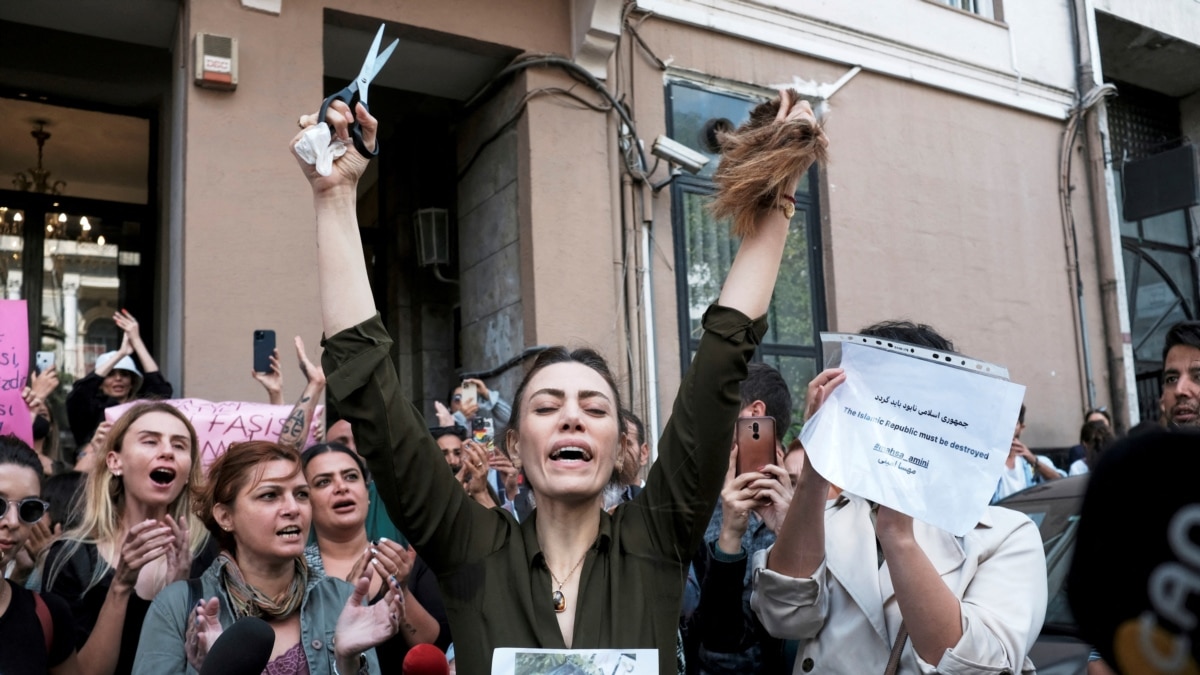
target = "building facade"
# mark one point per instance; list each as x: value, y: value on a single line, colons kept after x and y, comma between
x: 975, y: 183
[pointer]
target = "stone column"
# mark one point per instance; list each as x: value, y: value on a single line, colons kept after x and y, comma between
x: 70, y: 287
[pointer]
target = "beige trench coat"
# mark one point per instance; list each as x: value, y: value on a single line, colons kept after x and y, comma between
x: 846, y: 616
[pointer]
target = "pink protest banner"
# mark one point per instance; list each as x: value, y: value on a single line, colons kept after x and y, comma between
x: 218, y: 425
x: 14, y: 370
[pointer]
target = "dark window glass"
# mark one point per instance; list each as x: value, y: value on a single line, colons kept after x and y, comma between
x: 705, y: 249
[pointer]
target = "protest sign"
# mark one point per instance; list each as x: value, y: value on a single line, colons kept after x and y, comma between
x: 218, y: 425
x: 922, y: 432
x: 529, y: 661
x: 14, y: 370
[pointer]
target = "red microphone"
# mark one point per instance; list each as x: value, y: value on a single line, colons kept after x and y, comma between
x: 425, y: 659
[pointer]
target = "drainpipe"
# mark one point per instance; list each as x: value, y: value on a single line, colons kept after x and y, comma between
x: 1106, y: 223
x: 650, y: 366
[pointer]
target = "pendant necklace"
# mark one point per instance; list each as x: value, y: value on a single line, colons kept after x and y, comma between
x: 560, y: 601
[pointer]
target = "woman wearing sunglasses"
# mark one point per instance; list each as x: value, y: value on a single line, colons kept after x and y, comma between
x: 40, y: 625
x: 136, y: 534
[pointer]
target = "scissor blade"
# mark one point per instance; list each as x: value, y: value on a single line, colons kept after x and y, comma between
x: 368, y: 67
x: 383, y: 58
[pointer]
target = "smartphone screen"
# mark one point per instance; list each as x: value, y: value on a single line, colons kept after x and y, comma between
x: 44, y: 360
x: 756, y: 443
x: 264, y: 346
x: 484, y: 431
x: 470, y: 396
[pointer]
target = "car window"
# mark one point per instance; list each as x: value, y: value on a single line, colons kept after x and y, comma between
x: 1058, y: 522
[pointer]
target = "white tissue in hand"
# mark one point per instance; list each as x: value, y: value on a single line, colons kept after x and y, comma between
x: 315, y: 148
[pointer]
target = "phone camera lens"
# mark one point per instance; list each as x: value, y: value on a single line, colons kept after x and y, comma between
x: 755, y: 428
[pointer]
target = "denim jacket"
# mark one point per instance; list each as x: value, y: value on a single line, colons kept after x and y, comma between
x: 161, y: 649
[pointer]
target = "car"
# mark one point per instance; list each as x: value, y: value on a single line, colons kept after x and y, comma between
x: 1054, y: 507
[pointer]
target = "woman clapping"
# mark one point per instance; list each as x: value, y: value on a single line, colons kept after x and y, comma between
x: 256, y: 505
x: 338, y: 480
x: 135, y: 534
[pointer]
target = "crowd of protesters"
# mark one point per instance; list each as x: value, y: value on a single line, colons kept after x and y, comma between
x: 394, y: 535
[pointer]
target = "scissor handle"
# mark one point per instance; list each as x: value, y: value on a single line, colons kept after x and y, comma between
x: 350, y: 97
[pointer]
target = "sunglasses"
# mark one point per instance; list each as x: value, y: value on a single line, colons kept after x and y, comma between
x: 29, y: 510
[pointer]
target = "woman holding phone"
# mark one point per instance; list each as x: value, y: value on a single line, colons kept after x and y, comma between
x: 570, y: 575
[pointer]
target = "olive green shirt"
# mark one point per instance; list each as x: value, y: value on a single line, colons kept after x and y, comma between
x: 493, y: 577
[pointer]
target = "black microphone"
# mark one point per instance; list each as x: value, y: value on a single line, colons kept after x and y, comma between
x: 243, y: 649
x: 1134, y: 585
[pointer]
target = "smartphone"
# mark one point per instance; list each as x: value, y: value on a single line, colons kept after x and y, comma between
x: 756, y: 443
x: 43, y: 360
x: 484, y: 431
x: 264, y: 347
x: 470, y: 395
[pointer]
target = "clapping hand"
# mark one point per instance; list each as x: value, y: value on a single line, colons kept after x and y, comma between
x: 445, y: 418
x: 361, y: 627
x: 179, y: 555
x: 144, y: 542
x: 129, y: 326
x: 312, y: 371
x: 203, y: 629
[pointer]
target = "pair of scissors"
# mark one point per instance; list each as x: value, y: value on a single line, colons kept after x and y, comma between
x: 356, y: 91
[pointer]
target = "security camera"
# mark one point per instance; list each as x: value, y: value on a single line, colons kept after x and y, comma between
x: 679, y: 154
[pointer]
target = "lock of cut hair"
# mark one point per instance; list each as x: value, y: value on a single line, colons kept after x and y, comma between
x: 759, y: 162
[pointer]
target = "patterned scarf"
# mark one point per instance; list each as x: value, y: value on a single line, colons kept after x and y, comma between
x: 249, y: 601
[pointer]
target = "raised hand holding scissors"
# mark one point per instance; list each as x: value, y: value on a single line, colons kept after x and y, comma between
x: 356, y: 91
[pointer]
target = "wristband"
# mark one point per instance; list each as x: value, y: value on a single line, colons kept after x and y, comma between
x: 362, y: 664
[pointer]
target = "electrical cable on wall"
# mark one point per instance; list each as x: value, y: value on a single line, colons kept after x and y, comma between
x: 633, y: 157
x: 1070, y: 134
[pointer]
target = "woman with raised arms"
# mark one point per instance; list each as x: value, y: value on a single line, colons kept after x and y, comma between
x: 570, y: 575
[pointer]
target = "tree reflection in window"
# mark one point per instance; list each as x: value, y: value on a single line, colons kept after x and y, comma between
x: 704, y: 249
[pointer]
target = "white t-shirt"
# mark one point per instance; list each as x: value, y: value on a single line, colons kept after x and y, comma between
x: 1019, y: 477
x: 1078, y: 468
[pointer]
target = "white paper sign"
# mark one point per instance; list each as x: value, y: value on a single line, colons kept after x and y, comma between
x: 521, y: 661
x: 924, y: 437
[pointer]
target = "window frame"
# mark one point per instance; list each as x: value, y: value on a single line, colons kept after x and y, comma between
x: 805, y: 201
x: 992, y: 10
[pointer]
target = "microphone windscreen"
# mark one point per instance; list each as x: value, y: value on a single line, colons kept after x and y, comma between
x: 1134, y: 585
x: 425, y: 659
x: 243, y: 649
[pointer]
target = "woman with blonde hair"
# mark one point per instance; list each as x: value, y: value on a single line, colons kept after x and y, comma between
x: 135, y: 535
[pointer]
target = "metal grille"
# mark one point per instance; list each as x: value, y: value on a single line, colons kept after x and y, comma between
x: 1142, y: 123
x: 1149, y: 391
x: 218, y: 45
